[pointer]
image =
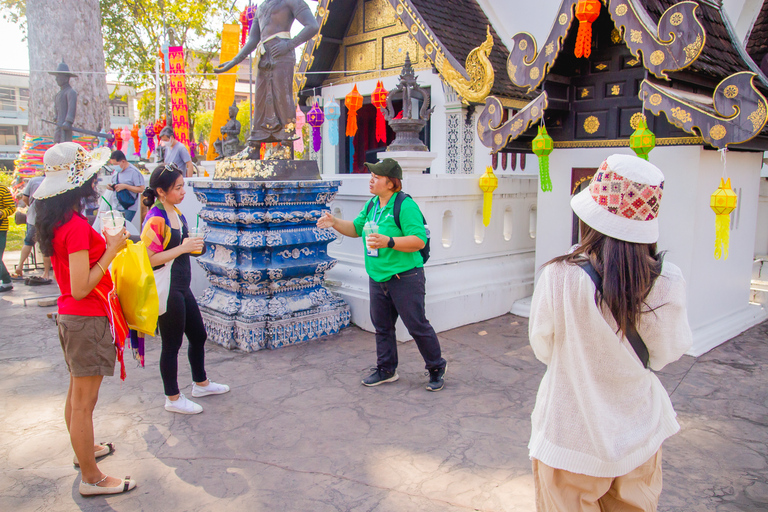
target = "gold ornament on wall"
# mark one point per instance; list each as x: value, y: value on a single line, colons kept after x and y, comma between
x: 717, y: 132
x: 634, y: 121
x: 591, y: 124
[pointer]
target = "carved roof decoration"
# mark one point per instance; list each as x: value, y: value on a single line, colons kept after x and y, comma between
x: 737, y: 112
x: 495, y: 135
x: 454, y: 35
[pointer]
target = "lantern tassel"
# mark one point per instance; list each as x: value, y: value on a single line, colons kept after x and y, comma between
x: 544, y: 178
x: 381, y: 126
x: 722, y: 236
x: 351, y: 125
x: 317, y: 139
x: 333, y: 132
x: 487, y: 205
x: 583, y: 40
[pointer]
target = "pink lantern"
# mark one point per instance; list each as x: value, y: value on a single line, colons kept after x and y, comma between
x: 315, y: 119
x: 298, y: 144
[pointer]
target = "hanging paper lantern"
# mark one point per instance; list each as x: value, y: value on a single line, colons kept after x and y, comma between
x: 643, y: 140
x: 379, y: 100
x: 353, y: 101
x: 332, y: 115
x: 315, y: 119
x: 136, y: 140
x: 723, y: 202
x: 542, y: 147
x: 118, y: 139
x: 587, y: 11
x: 488, y: 183
x: 150, y: 133
x: 298, y: 143
x: 246, y: 18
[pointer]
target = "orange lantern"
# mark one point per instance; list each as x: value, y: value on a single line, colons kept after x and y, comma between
x: 379, y: 100
x: 353, y: 101
x: 587, y: 11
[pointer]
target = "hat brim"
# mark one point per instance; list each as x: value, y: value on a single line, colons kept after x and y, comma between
x: 56, y: 183
x: 65, y: 73
x: 615, y: 226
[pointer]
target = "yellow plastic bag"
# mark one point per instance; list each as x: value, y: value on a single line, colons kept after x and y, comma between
x: 135, y: 287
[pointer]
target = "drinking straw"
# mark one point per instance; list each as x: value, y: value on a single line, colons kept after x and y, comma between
x: 197, y: 226
x: 105, y: 200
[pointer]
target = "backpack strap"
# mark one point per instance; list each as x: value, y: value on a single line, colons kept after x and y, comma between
x: 632, y: 335
x: 399, y: 198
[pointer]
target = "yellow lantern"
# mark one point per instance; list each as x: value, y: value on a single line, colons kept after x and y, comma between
x: 723, y: 202
x: 488, y: 183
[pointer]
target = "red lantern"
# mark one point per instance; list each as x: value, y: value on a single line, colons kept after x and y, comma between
x: 118, y: 138
x: 379, y: 100
x: 587, y: 11
x: 353, y: 101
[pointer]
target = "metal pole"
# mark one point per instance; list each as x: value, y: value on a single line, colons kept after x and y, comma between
x: 250, y: 79
x: 157, y: 87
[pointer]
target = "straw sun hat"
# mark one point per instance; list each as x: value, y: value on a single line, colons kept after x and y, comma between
x: 623, y: 199
x: 67, y: 166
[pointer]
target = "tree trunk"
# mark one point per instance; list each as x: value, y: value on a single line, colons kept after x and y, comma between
x: 68, y: 30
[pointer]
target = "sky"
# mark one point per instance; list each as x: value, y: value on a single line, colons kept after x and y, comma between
x: 15, y: 55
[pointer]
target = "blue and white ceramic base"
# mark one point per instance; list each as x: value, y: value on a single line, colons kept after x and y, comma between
x: 266, y: 260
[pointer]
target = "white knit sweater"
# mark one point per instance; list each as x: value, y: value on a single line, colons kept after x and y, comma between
x: 598, y: 411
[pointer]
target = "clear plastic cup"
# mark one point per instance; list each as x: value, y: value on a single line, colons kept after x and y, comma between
x: 196, y: 233
x: 370, y: 228
x: 112, y: 222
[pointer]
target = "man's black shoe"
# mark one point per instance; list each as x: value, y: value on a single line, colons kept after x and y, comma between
x: 380, y: 376
x: 436, y: 379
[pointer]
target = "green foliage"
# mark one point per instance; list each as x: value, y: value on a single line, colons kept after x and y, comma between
x: 244, y: 116
x: 15, y: 11
x: 203, y: 122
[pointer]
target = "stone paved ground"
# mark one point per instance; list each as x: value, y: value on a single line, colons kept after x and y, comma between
x: 299, y: 433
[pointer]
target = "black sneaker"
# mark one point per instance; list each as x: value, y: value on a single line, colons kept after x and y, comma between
x: 436, y: 379
x: 380, y: 376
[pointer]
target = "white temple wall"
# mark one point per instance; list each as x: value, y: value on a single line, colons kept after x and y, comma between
x: 761, y: 231
x: 474, y: 272
x: 718, y: 290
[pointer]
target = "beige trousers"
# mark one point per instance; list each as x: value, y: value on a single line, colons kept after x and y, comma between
x: 558, y: 490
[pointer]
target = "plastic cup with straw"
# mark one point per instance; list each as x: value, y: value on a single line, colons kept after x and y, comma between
x: 112, y: 221
x: 196, y: 233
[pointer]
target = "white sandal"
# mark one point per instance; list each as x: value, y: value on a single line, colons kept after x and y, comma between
x: 109, y: 449
x: 125, y: 485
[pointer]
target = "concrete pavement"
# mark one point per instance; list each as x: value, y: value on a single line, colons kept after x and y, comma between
x: 299, y: 433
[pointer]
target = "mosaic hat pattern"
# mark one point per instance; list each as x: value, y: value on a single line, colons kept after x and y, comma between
x: 623, y: 199
x: 67, y: 166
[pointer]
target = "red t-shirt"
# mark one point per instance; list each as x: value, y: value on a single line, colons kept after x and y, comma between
x: 73, y: 236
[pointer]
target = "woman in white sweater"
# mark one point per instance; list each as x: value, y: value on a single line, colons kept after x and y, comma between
x: 601, y: 415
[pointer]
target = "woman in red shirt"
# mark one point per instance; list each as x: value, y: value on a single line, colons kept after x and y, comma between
x: 80, y: 257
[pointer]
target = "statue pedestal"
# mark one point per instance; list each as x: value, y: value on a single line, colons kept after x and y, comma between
x: 415, y: 162
x: 266, y: 261
x: 266, y: 170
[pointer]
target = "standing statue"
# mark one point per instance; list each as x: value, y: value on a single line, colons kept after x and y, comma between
x: 229, y: 144
x: 65, y: 104
x: 274, y: 109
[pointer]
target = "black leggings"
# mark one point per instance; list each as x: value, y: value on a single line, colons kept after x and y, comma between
x: 182, y: 317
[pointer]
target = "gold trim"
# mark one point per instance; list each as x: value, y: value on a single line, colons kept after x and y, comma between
x: 513, y: 103
x: 618, y: 143
x: 479, y: 69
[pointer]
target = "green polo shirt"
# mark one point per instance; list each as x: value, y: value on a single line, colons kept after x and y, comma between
x: 391, y: 261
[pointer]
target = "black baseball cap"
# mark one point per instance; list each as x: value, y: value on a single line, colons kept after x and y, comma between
x: 387, y: 167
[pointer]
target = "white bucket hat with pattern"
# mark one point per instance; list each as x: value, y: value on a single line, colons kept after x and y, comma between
x: 67, y: 166
x: 623, y: 199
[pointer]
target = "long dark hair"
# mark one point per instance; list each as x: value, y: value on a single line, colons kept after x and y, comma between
x: 163, y: 177
x: 55, y: 211
x: 628, y: 271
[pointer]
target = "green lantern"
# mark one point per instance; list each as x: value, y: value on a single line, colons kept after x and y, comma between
x: 542, y: 147
x: 643, y: 140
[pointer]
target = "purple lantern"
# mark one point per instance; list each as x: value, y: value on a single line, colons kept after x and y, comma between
x: 315, y: 119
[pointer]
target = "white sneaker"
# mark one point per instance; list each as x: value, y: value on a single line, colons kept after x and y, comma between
x: 211, y: 389
x: 183, y: 405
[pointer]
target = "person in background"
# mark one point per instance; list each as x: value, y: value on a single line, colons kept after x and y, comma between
x: 81, y: 259
x: 175, y: 152
x: 127, y: 178
x: 601, y: 414
x: 27, y: 199
x: 7, y: 208
x: 166, y: 236
x: 396, y: 274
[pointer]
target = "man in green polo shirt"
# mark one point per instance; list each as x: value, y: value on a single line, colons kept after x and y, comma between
x: 395, y: 269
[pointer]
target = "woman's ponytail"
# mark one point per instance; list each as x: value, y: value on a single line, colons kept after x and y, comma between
x: 150, y: 197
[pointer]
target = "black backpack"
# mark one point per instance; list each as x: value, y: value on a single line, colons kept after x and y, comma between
x: 399, y: 198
